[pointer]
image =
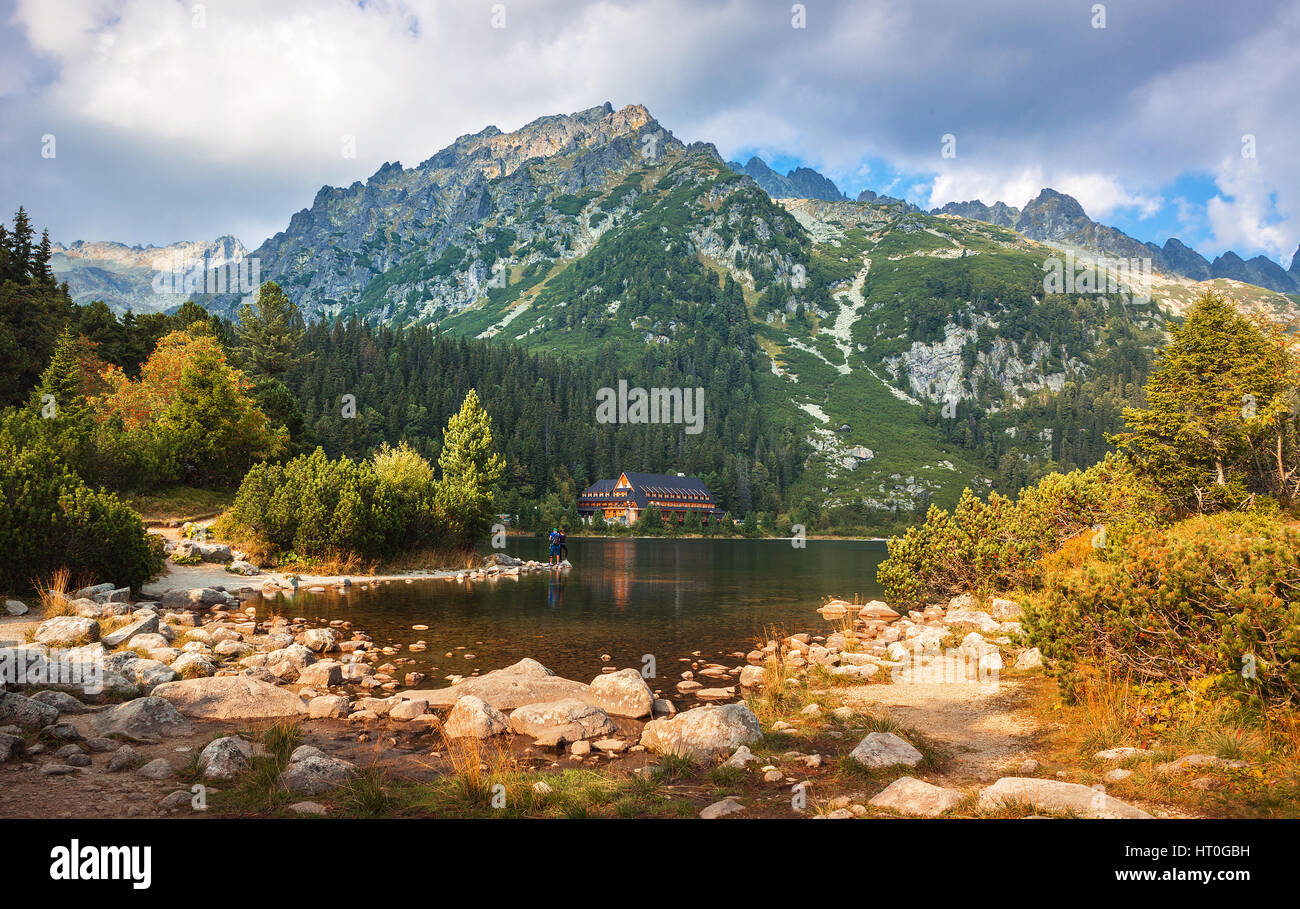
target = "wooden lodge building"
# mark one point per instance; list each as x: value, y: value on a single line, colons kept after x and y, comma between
x: 621, y: 501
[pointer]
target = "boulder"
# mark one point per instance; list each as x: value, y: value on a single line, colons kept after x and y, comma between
x: 149, y: 674
x: 971, y: 618
x: 525, y: 682
x: 147, y: 719
x: 703, y: 732
x: 328, y: 706
x: 225, y: 758
x: 15, y: 607
x: 405, y: 711
x: 316, y: 774
x: 879, y: 611
x: 1056, y: 795
x: 473, y: 717
x: 60, y: 701
x: 10, y: 746
x: 158, y: 769
x: 319, y: 640
x: 622, y: 693
x: 67, y: 631
x: 123, y: 758
x: 908, y: 795
x: 568, y: 720
x: 231, y: 697
x: 752, y: 676
x: 325, y: 674
x: 884, y: 749
x: 20, y: 710
x: 146, y: 625
x: 193, y: 665
x: 1030, y: 659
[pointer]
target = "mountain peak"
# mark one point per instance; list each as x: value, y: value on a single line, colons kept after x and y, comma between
x: 800, y: 183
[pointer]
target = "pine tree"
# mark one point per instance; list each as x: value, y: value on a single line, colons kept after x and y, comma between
x: 470, y: 470
x: 1218, y: 398
x: 271, y: 334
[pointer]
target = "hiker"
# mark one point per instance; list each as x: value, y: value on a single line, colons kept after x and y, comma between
x: 554, y: 540
x: 564, y: 546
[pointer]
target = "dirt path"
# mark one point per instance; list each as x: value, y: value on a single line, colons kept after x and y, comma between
x: 983, y: 731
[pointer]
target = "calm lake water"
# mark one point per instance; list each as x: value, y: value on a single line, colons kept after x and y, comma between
x: 625, y: 598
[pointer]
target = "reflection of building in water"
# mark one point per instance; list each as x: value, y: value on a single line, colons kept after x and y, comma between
x: 621, y: 501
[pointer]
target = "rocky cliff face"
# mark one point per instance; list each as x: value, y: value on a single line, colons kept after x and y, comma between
x: 411, y: 243
x: 1056, y: 218
x: 123, y: 276
x: 800, y: 183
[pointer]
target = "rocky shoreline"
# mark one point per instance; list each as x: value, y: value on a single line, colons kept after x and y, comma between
x: 196, y: 669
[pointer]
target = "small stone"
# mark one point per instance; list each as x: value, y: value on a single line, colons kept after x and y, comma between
x: 722, y: 809
x: 158, y: 769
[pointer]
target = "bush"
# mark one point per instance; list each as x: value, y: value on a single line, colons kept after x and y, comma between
x: 1210, y: 597
x: 50, y: 519
x: 996, y: 545
x: 318, y: 507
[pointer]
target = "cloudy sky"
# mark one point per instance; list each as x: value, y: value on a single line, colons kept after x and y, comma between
x: 151, y: 121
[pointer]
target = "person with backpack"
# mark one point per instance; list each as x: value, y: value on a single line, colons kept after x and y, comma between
x: 554, y: 541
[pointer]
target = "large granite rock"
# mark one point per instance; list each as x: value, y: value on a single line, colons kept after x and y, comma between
x: 473, y: 717
x: 316, y: 774
x: 231, y: 697
x: 225, y: 758
x: 145, y: 625
x: 67, y: 631
x: 884, y: 749
x: 568, y: 720
x: 19, y: 710
x: 1056, y: 795
x: 703, y: 732
x: 908, y: 795
x: 526, y: 682
x: 622, y: 693
x: 148, y: 719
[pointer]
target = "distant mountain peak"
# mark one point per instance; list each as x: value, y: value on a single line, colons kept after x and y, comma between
x: 800, y: 183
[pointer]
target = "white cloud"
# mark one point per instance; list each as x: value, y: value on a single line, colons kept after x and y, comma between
x: 169, y: 129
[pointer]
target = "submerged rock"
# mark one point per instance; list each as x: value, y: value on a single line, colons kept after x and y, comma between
x: 566, y: 720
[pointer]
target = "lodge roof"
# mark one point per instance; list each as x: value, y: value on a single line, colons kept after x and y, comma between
x: 646, y: 487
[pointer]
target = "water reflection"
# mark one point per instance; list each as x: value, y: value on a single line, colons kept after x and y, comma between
x: 625, y: 598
